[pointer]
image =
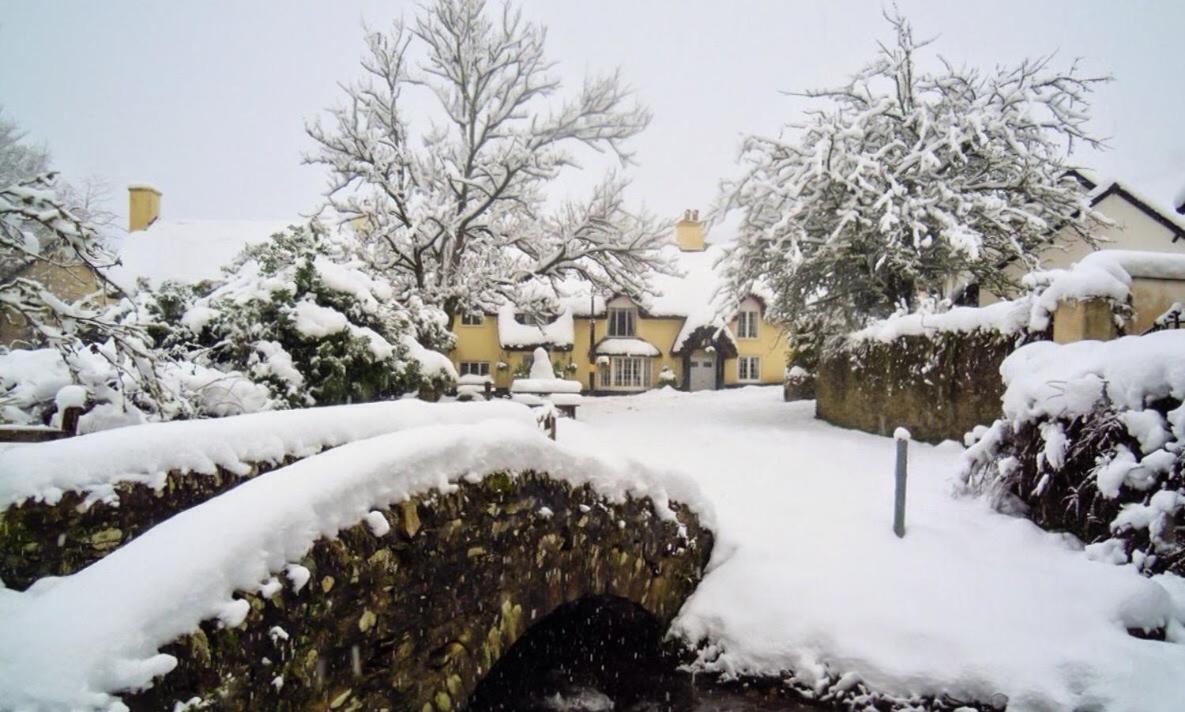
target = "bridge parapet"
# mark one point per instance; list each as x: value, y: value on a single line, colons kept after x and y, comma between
x: 340, y: 602
x: 68, y: 503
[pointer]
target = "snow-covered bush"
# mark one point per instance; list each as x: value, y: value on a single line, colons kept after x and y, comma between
x: 296, y: 315
x: 667, y: 378
x: 1093, y: 442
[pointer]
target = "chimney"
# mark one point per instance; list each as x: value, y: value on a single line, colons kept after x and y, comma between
x: 143, y: 206
x: 689, y: 232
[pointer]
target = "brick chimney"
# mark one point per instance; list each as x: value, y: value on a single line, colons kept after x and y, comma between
x: 143, y: 206
x: 689, y: 232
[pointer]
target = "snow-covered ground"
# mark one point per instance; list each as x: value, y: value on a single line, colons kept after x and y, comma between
x: 809, y: 577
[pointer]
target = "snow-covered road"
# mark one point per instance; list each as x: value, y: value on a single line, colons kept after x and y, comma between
x: 809, y: 577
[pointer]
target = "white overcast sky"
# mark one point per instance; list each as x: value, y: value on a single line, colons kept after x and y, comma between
x: 207, y: 100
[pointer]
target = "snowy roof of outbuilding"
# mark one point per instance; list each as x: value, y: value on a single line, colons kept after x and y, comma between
x: 189, y: 250
x: 558, y: 334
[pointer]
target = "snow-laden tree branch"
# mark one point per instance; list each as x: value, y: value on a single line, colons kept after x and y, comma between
x: 453, y: 210
x: 906, y: 182
x: 100, y: 347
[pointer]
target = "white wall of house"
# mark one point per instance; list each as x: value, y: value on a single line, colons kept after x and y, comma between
x: 1132, y: 229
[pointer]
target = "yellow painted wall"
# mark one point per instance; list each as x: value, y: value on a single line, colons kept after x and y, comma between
x: 1081, y: 320
x: 68, y: 282
x: 1151, y: 298
x: 770, y: 346
x: 143, y: 207
x: 480, y: 343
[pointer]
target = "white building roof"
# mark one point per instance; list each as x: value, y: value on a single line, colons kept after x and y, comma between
x: 189, y: 250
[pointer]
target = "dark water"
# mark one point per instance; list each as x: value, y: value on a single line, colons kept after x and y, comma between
x: 605, y: 653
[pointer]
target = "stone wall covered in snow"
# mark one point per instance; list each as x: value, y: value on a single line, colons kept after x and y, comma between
x: 58, y: 537
x: 938, y: 386
x: 68, y: 503
x: 414, y: 618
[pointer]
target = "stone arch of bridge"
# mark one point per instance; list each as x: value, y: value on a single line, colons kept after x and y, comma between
x: 416, y: 618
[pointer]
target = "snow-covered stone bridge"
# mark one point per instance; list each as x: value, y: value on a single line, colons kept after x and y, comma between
x: 402, y: 552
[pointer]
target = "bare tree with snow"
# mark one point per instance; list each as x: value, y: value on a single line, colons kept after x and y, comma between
x: 452, y: 206
x: 907, y: 183
x: 18, y: 159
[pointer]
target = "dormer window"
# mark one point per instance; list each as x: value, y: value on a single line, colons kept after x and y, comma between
x: 622, y: 321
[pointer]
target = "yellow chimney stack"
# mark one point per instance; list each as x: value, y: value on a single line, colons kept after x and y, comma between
x: 143, y: 206
x: 689, y: 232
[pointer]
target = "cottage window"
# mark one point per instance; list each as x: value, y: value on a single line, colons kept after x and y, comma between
x: 747, y: 324
x: 475, y: 368
x: 621, y: 321
x: 472, y: 319
x: 749, y: 368
x: 625, y: 373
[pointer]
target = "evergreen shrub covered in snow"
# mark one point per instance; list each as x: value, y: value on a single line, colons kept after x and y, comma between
x: 1093, y: 442
x: 297, y: 316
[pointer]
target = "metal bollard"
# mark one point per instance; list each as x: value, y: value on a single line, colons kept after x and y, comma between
x: 901, y: 435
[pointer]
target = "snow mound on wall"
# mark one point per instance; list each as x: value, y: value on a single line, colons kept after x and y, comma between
x: 513, y: 335
x: 72, y: 643
x: 1003, y: 317
x: 147, y: 453
x: 616, y: 346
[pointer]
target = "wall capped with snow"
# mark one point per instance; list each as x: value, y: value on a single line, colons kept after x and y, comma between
x: 1092, y: 442
x: 68, y: 503
x: 938, y: 386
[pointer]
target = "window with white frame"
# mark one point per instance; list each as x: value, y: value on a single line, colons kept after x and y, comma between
x: 622, y: 321
x: 625, y: 373
x: 472, y: 319
x: 747, y: 324
x: 475, y: 368
x: 749, y: 368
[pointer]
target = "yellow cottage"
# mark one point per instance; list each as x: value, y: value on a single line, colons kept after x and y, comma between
x: 617, y: 345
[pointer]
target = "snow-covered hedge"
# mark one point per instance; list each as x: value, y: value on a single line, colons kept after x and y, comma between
x: 1093, y: 442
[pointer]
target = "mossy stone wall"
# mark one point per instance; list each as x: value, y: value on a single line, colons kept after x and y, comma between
x: 40, y: 539
x: 937, y: 387
x: 413, y: 619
